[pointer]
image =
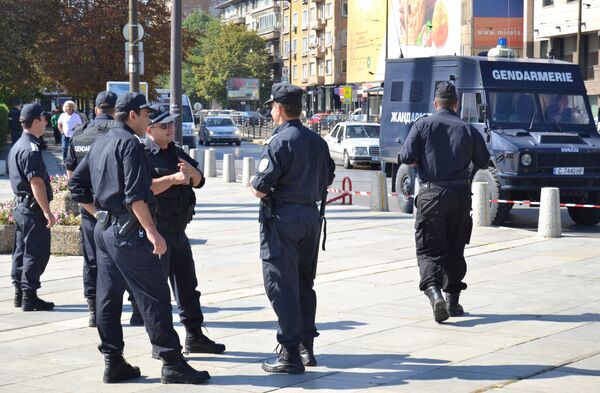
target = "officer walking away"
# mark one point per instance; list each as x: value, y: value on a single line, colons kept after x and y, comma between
x: 14, y: 121
x: 175, y: 175
x: 293, y: 174
x: 33, y: 219
x: 442, y: 147
x: 114, y: 176
x: 80, y: 144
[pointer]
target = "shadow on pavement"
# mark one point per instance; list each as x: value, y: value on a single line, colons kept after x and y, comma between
x: 338, y: 325
x: 484, y: 319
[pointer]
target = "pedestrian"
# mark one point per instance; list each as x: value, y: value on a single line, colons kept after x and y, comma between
x: 14, y: 122
x: 33, y: 219
x: 293, y: 174
x: 67, y: 121
x: 175, y: 175
x: 83, y: 137
x: 114, y: 176
x: 54, y: 124
x: 442, y: 147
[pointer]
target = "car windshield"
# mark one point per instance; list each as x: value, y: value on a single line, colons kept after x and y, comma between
x: 520, y: 107
x: 362, y: 131
x: 186, y: 115
x: 219, y: 122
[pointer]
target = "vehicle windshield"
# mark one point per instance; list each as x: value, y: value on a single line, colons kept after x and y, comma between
x: 362, y: 131
x: 219, y: 122
x: 186, y: 115
x: 520, y: 107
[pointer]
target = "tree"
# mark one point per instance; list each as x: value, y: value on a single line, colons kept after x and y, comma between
x: 227, y: 51
x: 86, y: 46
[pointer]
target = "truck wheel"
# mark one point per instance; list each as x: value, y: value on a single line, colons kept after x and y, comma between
x: 498, y: 211
x: 347, y: 163
x: 405, y: 187
x: 584, y: 216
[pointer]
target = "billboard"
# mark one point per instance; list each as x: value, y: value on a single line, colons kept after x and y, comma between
x: 119, y: 87
x: 497, y: 19
x: 243, y: 89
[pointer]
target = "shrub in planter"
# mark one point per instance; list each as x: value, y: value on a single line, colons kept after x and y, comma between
x: 62, y: 201
x: 66, y: 237
x: 7, y: 226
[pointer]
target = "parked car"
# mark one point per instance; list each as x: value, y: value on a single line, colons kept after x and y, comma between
x: 250, y: 118
x: 219, y: 129
x: 330, y: 120
x: 354, y: 143
x: 316, y: 118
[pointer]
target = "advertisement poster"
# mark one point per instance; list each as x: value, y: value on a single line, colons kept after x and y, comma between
x: 243, y: 89
x: 497, y: 19
x: 419, y: 28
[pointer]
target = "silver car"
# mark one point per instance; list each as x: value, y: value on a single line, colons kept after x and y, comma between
x: 219, y: 129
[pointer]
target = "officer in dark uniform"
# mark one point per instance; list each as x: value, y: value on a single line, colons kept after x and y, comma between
x: 293, y: 174
x: 14, y: 121
x: 33, y: 219
x: 175, y: 175
x: 115, y: 177
x: 442, y: 147
x: 81, y: 142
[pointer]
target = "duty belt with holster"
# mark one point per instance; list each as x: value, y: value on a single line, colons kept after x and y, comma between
x: 29, y: 201
x: 125, y: 223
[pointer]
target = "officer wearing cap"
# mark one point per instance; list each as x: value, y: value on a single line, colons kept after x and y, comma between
x: 33, y: 219
x: 114, y: 176
x: 81, y: 142
x: 292, y: 176
x: 442, y: 147
x: 174, y: 176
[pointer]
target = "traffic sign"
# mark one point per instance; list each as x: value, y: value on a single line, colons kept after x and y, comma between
x: 126, y: 32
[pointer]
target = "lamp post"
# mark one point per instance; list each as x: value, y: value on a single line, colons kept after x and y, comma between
x: 290, y: 38
x: 134, y: 53
x: 176, y: 88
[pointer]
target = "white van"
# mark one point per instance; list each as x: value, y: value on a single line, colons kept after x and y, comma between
x: 188, y: 127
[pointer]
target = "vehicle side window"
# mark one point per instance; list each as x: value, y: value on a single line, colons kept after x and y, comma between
x: 335, y: 131
x: 416, y: 91
x: 469, y: 107
x: 397, y: 87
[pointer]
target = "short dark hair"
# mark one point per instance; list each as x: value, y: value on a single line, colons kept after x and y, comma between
x: 292, y: 110
x: 29, y: 122
x: 123, y: 116
x: 107, y: 111
x: 446, y: 103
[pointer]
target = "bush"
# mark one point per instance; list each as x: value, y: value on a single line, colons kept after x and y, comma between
x: 6, y: 213
x: 3, y: 123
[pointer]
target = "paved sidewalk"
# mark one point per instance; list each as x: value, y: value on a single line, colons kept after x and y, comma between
x: 533, y: 322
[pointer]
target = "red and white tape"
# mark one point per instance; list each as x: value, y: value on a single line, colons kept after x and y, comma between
x: 359, y: 193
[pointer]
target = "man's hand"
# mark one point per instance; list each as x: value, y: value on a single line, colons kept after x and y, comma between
x: 254, y: 191
x: 50, y: 218
x: 180, y: 178
x: 185, y: 167
x: 159, y: 243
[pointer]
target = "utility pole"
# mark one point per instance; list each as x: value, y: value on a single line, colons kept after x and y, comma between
x: 134, y: 53
x: 578, y: 59
x: 387, y: 15
x: 176, y: 89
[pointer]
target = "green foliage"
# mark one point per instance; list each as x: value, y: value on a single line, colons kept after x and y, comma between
x: 6, y: 212
x: 3, y: 123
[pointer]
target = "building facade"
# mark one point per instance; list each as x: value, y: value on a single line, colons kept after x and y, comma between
x: 206, y: 6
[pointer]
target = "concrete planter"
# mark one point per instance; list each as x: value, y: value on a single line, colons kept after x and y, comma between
x: 62, y: 202
x: 66, y: 240
x: 7, y: 237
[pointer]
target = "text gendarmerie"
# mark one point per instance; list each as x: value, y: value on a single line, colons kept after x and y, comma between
x: 540, y: 76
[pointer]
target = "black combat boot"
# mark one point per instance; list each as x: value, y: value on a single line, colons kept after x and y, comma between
x: 18, y: 297
x: 452, y: 305
x: 33, y: 303
x: 197, y: 342
x: 177, y: 370
x: 92, y: 307
x: 136, y: 317
x: 438, y: 304
x: 117, y: 369
x: 288, y: 361
x: 307, y: 354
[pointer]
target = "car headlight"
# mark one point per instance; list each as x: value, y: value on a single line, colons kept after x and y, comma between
x: 526, y: 159
x: 211, y: 133
x: 237, y: 132
x: 360, y: 150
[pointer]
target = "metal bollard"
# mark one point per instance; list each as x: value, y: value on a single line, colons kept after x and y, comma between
x: 2, y: 167
x: 549, y: 223
x: 248, y: 169
x: 228, y: 168
x: 198, y: 155
x: 210, y: 163
x: 481, y: 205
x: 379, y: 197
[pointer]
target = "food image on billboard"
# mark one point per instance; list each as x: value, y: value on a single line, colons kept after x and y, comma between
x: 243, y: 89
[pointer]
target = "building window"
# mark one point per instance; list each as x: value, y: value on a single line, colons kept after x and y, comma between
x: 313, y: 69
x: 544, y: 49
x: 328, y: 40
x: 344, y: 37
x: 416, y: 91
x: 286, y: 48
x: 295, y: 20
x: 294, y: 46
x: 344, y: 65
x: 304, y: 72
x: 304, y: 19
x: 320, y: 68
x: 295, y: 72
x: 328, y: 10
x: 313, y: 13
x: 304, y: 45
x: 345, y: 9
x: 397, y: 87
x: 547, y: 2
x: 328, y: 67
x: 286, y: 24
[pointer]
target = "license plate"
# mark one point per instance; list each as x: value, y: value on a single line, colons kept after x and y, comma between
x: 568, y: 171
x: 375, y: 158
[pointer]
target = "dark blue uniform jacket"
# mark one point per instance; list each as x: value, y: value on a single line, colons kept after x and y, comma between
x: 24, y: 162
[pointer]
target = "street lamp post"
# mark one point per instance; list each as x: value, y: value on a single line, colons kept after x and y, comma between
x: 176, y: 88
x: 134, y: 53
x: 290, y: 38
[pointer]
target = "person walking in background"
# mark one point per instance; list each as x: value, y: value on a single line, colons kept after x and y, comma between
x: 67, y: 122
x: 54, y: 124
x: 14, y: 122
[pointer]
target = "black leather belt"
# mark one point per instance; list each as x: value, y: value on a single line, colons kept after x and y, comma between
x: 446, y: 183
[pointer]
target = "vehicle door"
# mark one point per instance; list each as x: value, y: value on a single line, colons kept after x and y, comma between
x: 335, y: 148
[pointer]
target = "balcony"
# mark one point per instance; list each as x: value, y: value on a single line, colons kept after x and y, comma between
x: 269, y: 33
x: 318, y: 24
x: 316, y: 80
x: 237, y: 20
x: 317, y: 52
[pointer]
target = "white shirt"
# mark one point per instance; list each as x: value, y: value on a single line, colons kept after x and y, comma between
x: 69, y: 122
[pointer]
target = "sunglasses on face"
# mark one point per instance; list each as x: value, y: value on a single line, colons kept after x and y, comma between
x: 163, y: 126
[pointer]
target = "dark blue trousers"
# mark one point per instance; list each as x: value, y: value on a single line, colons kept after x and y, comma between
x: 88, y: 247
x: 288, y: 247
x: 178, y: 263
x: 31, y: 248
x: 129, y: 262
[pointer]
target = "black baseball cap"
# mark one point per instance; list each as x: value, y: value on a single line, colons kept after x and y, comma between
x: 284, y: 93
x: 106, y: 100
x: 161, y: 116
x: 30, y: 112
x: 446, y: 91
x: 131, y: 102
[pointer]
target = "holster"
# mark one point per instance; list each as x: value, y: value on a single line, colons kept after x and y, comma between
x: 103, y: 218
x: 29, y: 201
x: 266, y: 209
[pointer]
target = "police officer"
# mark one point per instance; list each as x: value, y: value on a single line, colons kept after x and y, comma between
x: 83, y: 137
x: 293, y: 174
x: 442, y: 147
x: 14, y: 121
x: 33, y: 219
x: 175, y: 175
x: 115, y: 177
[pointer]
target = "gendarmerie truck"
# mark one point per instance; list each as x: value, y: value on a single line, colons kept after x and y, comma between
x: 534, y: 115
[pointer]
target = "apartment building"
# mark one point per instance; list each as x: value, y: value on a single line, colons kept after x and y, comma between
x: 206, y: 6
x: 551, y: 28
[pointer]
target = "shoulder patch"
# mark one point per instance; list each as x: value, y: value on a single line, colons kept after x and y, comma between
x: 34, y: 146
x: 263, y: 165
